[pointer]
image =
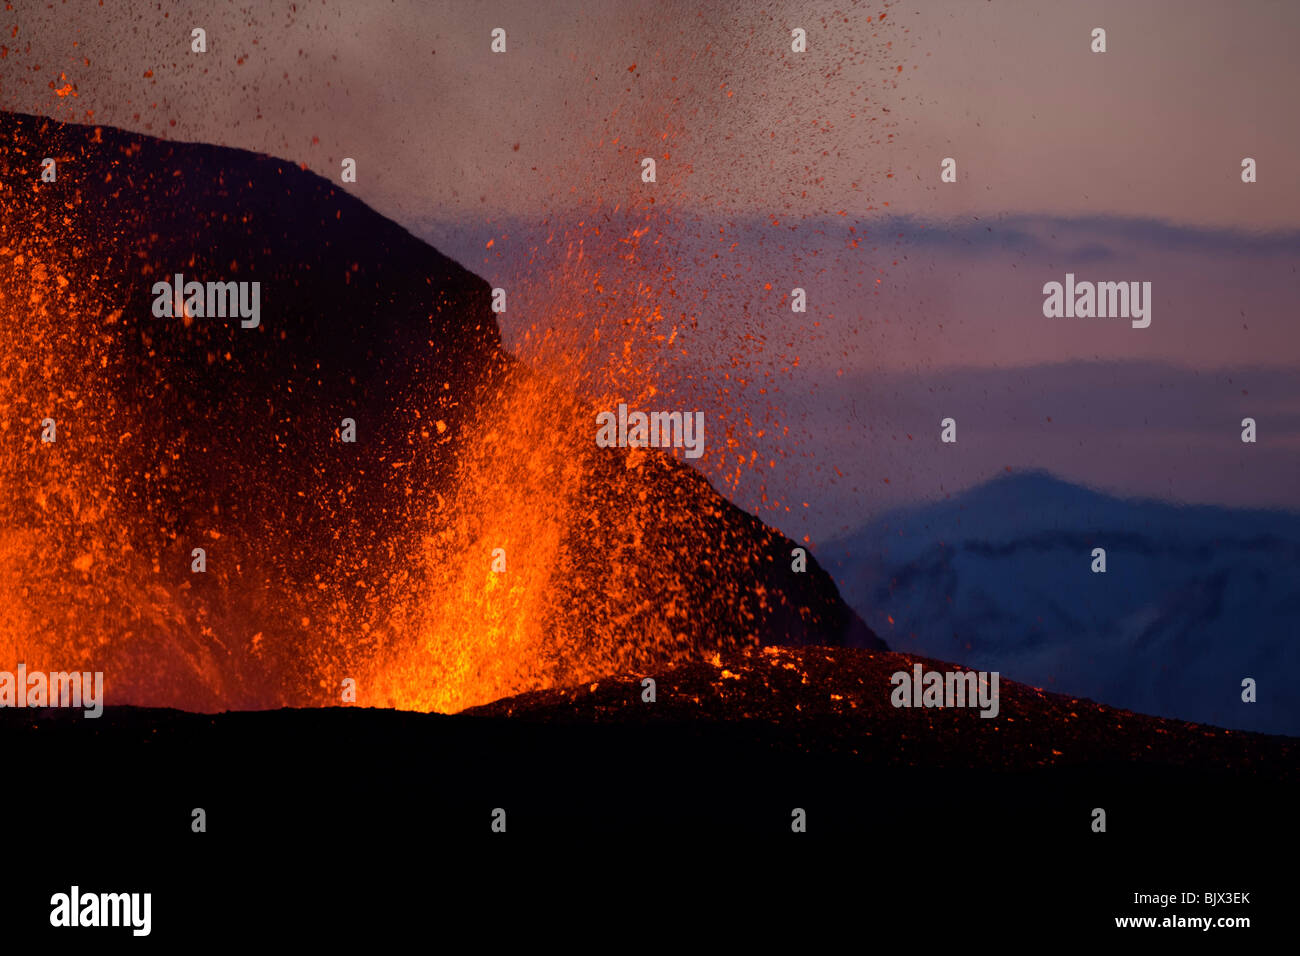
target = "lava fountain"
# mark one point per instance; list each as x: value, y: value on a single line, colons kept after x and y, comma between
x: 473, y: 541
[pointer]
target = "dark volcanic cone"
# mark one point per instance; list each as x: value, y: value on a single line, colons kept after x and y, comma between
x: 324, y: 559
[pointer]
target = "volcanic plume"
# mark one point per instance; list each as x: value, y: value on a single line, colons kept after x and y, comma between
x: 472, y: 542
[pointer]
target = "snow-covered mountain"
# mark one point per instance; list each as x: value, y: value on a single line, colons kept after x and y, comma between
x: 1193, y: 599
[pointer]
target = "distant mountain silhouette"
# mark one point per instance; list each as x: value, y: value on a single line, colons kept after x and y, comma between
x: 1194, y: 598
x: 181, y: 432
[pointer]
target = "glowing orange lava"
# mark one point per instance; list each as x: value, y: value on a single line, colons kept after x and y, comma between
x: 544, y: 559
x: 477, y: 544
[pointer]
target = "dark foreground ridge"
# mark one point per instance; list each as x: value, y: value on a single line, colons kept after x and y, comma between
x: 614, y: 802
x: 838, y: 701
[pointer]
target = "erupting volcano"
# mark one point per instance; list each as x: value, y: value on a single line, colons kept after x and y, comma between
x: 472, y: 542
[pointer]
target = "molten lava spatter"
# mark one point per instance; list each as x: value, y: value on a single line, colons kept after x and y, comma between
x: 472, y: 542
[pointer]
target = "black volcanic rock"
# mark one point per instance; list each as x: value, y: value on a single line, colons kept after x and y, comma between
x: 607, y: 796
x: 837, y: 700
x: 727, y: 749
x: 180, y: 433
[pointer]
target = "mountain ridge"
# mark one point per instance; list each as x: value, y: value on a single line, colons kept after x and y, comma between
x: 1195, y: 599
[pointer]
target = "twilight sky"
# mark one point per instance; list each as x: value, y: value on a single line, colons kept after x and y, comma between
x: 1154, y: 128
x: 819, y: 170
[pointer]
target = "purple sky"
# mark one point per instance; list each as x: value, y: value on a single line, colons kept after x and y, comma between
x: 1115, y: 166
